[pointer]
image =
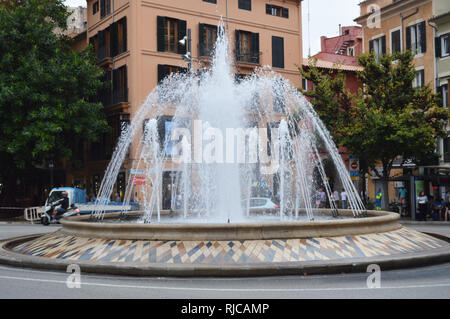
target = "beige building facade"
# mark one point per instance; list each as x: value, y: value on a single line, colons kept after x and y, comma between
x: 137, y: 43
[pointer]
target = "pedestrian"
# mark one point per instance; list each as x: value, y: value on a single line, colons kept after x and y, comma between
x: 447, y: 200
x: 378, y: 199
x: 117, y: 198
x: 402, y: 199
x: 336, y: 198
x: 318, y: 199
x: 323, y: 198
x: 344, y: 199
x: 438, y: 206
x: 422, y: 202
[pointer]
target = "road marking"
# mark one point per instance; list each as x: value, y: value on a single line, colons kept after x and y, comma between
x: 226, y: 289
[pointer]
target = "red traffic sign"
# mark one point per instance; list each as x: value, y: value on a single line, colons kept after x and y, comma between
x: 138, y: 180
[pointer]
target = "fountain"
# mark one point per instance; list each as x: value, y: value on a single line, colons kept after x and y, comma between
x: 206, y: 143
x: 227, y: 152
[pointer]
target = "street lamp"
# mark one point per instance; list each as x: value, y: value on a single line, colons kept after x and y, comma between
x: 187, y: 57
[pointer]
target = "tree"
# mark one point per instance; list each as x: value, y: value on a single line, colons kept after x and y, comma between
x: 46, y: 89
x: 389, y: 119
x: 334, y: 104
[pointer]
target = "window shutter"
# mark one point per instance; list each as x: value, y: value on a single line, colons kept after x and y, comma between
x: 201, y: 39
x: 395, y: 41
x: 114, y: 39
x: 102, y: 8
x: 423, y: 36
x: 238, y: 45
x: 255, y: 47
x: 370, y: 46
x: 124, y: 44
x: 182, y: 49
x: 161, y: 33
x: 115, y: 87
x: 383, y: 45
x: 285, y: 13
x: 125, y: 84
x: 268, y: 9
x: 437, y: 47
x: 408, y: 38
x: 101, y: 45
x: 277, y: 52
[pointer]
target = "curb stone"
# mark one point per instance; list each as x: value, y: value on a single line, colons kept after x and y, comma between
x: 351, y: 265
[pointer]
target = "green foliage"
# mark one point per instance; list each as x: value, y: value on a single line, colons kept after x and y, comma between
x: 45, y: 87
x: 388, y: 119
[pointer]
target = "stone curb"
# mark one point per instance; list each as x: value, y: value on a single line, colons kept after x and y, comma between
x: 351, y: 265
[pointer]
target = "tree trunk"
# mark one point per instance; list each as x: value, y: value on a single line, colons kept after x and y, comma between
x: 385, y: 191
x: 8, y: 195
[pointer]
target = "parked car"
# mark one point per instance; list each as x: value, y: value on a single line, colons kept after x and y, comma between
x: 260, y: 202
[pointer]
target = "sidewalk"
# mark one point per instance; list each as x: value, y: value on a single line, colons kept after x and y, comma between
x: 407, y: 221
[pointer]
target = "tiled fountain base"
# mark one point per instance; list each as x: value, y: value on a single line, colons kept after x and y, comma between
x: 57, y: 246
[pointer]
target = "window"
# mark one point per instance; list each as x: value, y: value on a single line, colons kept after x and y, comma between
x: 396, y: 41
x: 446, y: 149
x: 105, y: 8
x: 419, y: 79
x: 245, y: 4
x: 95, y: 7
x: 378, y: 46
x: 210, y: 1
x: 119, y: 37
x: 443, y: 94
x: 101, y: 42
x: 166, y: 70
x: 165, y: 127
x: 247, y: 47
x: 305, y: 84
x: 277, y: 11
x: 416, y: 39
x: 277, y: 52
x: 351, y: 51
x: 164, y: 96
x: 207, y: 39
x: 443, y: 46
x: 170, y: 32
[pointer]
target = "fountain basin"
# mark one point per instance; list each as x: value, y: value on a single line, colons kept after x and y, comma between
x: 376, y: 222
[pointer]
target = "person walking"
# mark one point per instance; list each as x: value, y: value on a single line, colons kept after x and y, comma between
x: 336, y: 198
x: 402, y: 198
x: 422, y: 202
x: 378, y: 199
x: 344, y: 199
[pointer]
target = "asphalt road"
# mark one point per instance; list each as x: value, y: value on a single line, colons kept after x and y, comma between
x: 431, y: 282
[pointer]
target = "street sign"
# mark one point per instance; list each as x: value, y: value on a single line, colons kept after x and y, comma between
x: 354, y: 168
x: 138, y: 180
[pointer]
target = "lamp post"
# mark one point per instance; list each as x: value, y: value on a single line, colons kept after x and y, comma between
x: 51, y: 166
x: 187, y: 57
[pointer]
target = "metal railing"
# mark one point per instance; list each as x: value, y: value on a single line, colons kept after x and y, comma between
x: 33, y: 214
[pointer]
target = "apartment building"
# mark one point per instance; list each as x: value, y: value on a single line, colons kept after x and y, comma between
x: 397, y: 25
x: 137, y: 44
x: 441, y: 24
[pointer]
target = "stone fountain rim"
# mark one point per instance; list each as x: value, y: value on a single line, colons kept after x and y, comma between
x: 377, y: 222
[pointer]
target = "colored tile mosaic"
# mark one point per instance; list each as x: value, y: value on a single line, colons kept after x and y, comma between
x: 60, y: 246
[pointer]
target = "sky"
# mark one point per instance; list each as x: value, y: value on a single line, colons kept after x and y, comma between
x: 324, y: 19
